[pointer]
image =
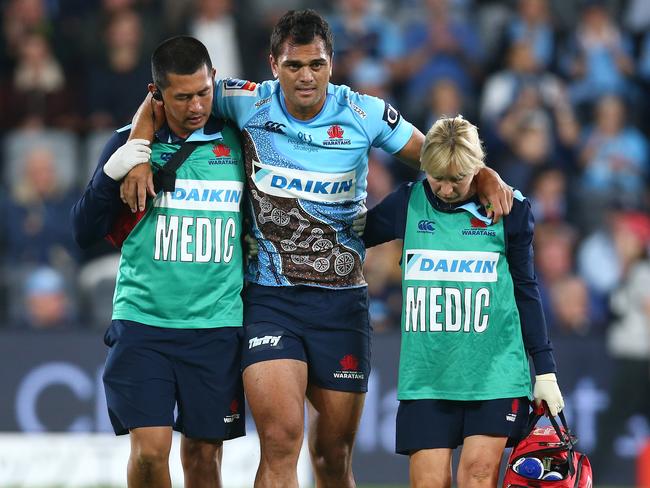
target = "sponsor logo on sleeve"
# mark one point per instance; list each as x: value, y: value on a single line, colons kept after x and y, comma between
x: 233, y: 87
x: 262, y: 102
x: 359, y: 111
x: 391, y: 115
x: 469, y: 266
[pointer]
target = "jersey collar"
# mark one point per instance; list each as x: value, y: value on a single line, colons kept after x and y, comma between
x: 472, y: 205
x: 209, y: 132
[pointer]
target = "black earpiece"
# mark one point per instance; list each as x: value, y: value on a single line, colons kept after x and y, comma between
x: 157, y: 95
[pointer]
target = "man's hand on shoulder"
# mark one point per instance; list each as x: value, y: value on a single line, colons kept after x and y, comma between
x: 494, y: 194
x: 138, y: 183
x: 136, y: 186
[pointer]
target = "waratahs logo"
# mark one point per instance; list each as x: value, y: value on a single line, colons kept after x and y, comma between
x: 335, y: 136
x: 234, y: 413
x: 477, y: 223
x: 478, y: 227
x: 349, y: 369
x: 335, y: 132
x: 221, y: 150
x: 349, y: 363
x: 222, y: 153
x: 234, y: 406
x: 426, y: 226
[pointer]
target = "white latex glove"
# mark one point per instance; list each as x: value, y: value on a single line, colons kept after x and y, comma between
x: 359, y: 222
x: 546, y: 389
x: 134, y: 152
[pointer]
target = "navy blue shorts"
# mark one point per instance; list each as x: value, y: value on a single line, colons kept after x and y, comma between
x: 435, y: 424
x: 328, y: 329
x: 151, y: 370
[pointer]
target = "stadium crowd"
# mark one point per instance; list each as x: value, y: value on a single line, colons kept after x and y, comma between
x: 559, y: 91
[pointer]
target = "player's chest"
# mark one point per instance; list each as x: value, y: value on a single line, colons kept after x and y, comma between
x: 330, y: 144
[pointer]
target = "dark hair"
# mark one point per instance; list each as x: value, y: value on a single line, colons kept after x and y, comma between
x: 301, y: 27
x: 182, y: 55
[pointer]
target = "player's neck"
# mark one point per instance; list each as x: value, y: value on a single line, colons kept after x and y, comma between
x: 179, y: 131
x: 307, y: 113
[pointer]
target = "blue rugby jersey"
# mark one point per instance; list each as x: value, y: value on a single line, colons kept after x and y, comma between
x: 307, y: 179
x: 387, y: 221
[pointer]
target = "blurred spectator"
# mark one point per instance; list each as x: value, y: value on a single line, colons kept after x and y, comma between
x: 380, y: 181
x: 370, y: 78
x: 570, y: 301
x: 21, y: 18
x: 362, y: 36
x: 548, y: 195
x: 554, y: 245
x: 637, y: 16
x: 599, y: 56
x: 614, y: 158
x: 383, y: 274
x: 38, y: 96
x: 629, y: 344
x: 522, y: 88
x: 445, y: 98
x: 531, y: 146
x: 606, y: 256
x: 439, y: 46
x: 35, y: 217
x: 96, y: 286
x: 96, y: 20
x: 47, y: 305
x: 532, y: 24
x: 213, y: 24
x: 643, y: 109
x: 119, y: 83
x: 629, y: 336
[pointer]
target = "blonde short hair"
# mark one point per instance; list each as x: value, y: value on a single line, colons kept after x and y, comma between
x: 452, y: 142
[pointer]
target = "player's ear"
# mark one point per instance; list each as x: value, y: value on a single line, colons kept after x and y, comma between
x: 155, y: 92
x: 274, y: 65
x: 214, y: 73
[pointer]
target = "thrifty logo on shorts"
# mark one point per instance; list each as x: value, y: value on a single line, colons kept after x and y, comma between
x: 263, y: 341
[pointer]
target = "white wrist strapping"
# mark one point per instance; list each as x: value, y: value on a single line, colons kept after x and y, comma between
x: 134, y: 152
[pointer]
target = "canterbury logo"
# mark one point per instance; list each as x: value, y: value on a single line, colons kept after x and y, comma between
x: 274, y: 127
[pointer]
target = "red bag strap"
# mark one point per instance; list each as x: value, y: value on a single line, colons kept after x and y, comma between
x: 566, y: 437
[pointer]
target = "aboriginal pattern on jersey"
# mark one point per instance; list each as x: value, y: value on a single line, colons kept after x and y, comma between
x: 300, y: 241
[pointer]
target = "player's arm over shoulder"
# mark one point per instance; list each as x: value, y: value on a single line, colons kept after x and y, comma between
x: 387, y: 128
x: 237, y: 100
